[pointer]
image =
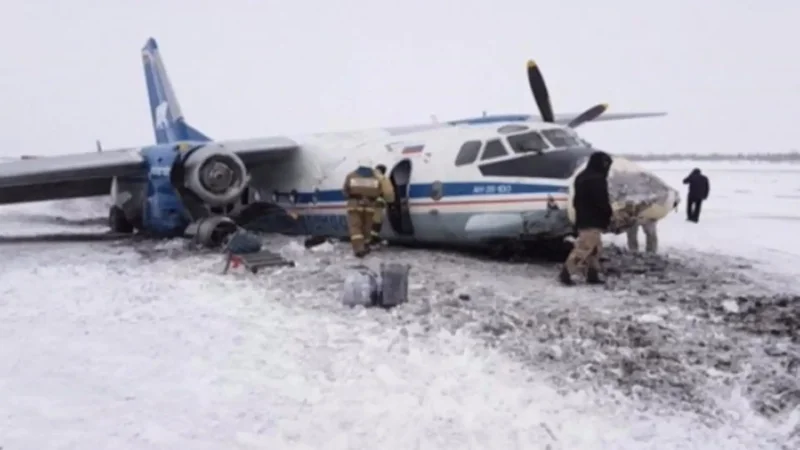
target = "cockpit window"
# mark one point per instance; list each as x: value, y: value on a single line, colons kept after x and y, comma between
x: 561, y: 138
x: 558, y: 164
x: 527, y: 142
x: 494, y: 149
x: 468, y: 153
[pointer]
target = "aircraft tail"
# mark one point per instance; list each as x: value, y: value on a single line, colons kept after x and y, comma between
x: 168, y: 122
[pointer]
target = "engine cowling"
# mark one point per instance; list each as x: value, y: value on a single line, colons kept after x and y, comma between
x: 215, y: 174
x: 220, y: 231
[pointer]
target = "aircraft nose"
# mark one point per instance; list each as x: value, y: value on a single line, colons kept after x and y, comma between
x: 635, y: 193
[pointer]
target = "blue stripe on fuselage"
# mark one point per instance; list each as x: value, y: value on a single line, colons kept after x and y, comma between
x: 453, y: 189
x: 335, y: 223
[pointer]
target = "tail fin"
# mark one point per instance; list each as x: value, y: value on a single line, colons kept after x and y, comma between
x: 168, y: 123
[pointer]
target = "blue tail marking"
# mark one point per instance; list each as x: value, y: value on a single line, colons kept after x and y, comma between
x: 168, y: 122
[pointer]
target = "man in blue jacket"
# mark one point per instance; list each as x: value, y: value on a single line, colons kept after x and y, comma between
x: 699, y: 188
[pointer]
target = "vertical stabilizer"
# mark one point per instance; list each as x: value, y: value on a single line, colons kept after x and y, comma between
x: 165, y: 112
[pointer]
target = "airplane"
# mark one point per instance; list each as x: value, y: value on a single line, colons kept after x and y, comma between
x: 492, y: 180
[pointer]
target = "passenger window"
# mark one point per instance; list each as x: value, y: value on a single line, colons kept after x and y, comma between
x: 494, y: 149
x: 468, y: 153
x: 527, y: 142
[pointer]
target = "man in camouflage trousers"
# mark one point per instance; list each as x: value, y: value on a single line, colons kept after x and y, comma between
x: 592, y: 217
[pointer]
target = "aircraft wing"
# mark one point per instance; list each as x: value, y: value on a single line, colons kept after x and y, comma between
x: 563, y: 119
x: 90, y: 174
x: 65, y: 176
x: 258, y: 151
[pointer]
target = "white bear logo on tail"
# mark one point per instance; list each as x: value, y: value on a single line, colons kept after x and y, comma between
x: 162, y: 122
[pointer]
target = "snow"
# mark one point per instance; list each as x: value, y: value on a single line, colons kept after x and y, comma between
x: 105, y: 345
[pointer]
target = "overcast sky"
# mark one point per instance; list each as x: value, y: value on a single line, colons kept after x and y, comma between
x: 727, y: 71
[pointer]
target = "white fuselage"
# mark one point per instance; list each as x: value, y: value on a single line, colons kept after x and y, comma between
x: 501, y: 192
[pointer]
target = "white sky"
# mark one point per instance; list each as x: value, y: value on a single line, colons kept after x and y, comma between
x: 725, y: 70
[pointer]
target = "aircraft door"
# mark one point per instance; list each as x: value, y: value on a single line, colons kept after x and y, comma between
x: 398, y: 212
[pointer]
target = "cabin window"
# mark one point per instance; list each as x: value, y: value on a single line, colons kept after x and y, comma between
x: 468, y: 153
x: 494, y: 149
x: 561, y: 138
x: 558, y: 164
x: 527, y: 142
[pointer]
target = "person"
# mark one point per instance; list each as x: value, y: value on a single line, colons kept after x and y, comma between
x: 362, y: 187
x: 699, y: 188
x: 387, y: 196
x: 651, y: 238
x: 592, y: 217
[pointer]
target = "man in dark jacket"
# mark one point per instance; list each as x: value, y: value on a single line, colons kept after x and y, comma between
x: 698, y: 192
x: 592, y: 217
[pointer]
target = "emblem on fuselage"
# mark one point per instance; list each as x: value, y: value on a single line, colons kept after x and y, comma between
x: 162, y: 110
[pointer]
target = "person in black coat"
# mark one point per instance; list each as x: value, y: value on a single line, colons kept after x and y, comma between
x: 698, y: 192
x: 592, y: 217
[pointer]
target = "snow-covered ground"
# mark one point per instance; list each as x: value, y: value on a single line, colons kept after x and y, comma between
x: 105, y: 345
x: 753, y: 212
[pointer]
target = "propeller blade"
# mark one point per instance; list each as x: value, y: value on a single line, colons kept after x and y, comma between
x: 539, y: 91
x: 588, y: 115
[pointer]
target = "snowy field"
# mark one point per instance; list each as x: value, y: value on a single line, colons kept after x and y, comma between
x: 114, y: 346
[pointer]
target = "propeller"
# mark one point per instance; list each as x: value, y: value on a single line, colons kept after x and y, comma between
x: 542, y: 98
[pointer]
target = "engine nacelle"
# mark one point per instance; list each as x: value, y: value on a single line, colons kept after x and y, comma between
x: 211, y: 231
x: 215, y: 174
